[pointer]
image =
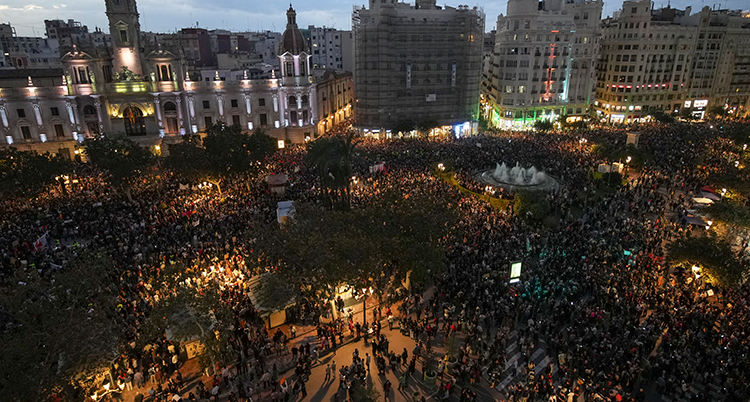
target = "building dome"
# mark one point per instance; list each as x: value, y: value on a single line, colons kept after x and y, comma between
x: 292, y: 41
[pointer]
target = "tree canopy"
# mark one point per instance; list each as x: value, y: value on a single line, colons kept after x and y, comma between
x: 376, y: 245
x: 190, y: 308
x: 531, y: 205
x: 122, y: 158
x: 332, y: 158
x: 543, y: 125
x: 224, y: 152
x: 714, y: 254
x: 26, y: 174
x: 57, y: 326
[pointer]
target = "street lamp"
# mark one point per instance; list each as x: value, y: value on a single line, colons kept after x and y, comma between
x: 364, y: 309
x: 630, y: 158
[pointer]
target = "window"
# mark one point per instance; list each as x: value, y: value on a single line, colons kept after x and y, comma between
x: 54, y: 111
x: 165, y: 72
x: 134, y: 123
x: 236, y: 119
x: 208, y: 121
x: 263, y: 120
x: 26, y: 132
x: 59, y: 132
x: 234, y: 103
x: 206, y: 104
x: 123, y: 36
x: 289, y: 69
x: 21, y: 113
x: 261, y: 101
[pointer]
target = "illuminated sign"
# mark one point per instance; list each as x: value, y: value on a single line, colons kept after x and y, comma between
x: 688, y: 103
x: 700, y: 103
x: 515, y: 271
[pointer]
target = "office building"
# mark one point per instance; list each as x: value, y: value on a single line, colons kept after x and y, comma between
x: 415, y: 64
x: 544, y: 60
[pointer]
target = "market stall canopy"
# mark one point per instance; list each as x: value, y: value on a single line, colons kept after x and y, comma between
x: 695, y: 220
x: 709, y: 189
x: 703, y: 201
x: 710, y: 196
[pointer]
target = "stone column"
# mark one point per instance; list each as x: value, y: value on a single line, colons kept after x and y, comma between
x: 98, y: 106
x: 157, y: 108
x: 178, y: 100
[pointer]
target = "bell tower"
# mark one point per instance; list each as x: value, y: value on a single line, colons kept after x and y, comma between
x: 125, y: 31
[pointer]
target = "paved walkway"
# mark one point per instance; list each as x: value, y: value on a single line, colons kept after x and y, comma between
x: 320, y: 390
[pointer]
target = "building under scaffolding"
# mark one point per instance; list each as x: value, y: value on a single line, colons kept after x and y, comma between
x: 416, y: 65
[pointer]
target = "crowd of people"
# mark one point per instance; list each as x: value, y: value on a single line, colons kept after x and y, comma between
x: 613, y: 325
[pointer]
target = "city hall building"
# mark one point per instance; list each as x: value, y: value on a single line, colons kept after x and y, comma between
x: 147, y: 93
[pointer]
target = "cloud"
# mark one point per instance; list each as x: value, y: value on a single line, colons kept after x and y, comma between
x: 166, y: 15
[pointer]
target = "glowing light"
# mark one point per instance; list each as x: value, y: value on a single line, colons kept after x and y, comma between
x: 280, y: 144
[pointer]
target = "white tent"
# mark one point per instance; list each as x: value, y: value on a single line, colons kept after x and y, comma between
x: 703, y: 201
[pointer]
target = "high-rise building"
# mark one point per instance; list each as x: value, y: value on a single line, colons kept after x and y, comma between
x: 327, y: 47
x: 416, y: 64
x: 720, y: 75
x: 27, y: 51
x: 667, y: 60
x: 544, y: 61
x: 646, y: 59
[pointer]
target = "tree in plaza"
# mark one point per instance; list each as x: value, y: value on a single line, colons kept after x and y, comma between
x: 191, y: 307
x: 189, y: 160
x: 717, y: 111
x: 232, y: 152
x: 261, y: 144
x: 730, y: 212
x: 374, y: 246
x: 426, y: 125
x: 714, y: 255
x: 226, y: 151
x: 59, y: 327
x: 543, y: 125
x: 531, y: 205
x: 404, y: 126
x: 661, y: 117
x: 26, y: 174
x: 364, y: 392
x: 121, y: 158
x: 332, y: 158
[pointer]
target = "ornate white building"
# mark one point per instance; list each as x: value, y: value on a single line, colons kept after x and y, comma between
x: 146, y: 93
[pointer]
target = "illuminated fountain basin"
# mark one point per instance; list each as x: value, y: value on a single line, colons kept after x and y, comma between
x: 517, y: 178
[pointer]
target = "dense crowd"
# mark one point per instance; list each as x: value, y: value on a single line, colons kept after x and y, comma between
x: 613, y: 325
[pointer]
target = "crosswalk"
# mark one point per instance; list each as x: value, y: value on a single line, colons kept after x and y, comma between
x: 511, y: 376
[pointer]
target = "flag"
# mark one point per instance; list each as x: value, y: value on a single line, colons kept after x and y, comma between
x: 41, y: 242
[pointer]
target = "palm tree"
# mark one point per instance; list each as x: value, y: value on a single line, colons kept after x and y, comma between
x: 332, y: 157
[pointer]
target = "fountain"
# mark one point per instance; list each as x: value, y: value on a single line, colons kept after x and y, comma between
x: 517, y: 178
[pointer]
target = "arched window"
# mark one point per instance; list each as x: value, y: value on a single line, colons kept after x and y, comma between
x: 170, y: 107
x: 292, y: 101
x: 304, y: 99
x: 134, y: 123
x: 89, y: 110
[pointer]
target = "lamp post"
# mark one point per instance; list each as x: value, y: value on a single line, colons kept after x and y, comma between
x: 364, y: 309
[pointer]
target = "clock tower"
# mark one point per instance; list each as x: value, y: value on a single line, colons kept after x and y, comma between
x: 125, y: 31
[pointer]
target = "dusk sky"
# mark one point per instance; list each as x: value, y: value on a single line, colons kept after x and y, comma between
x: 28, y: 16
